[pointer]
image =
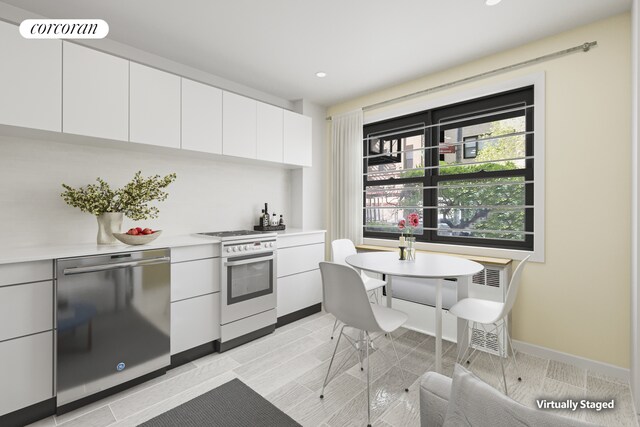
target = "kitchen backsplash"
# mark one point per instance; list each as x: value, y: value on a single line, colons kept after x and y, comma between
x: 208, y: 195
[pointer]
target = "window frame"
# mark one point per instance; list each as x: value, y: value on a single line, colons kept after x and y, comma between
x: 431, y: 117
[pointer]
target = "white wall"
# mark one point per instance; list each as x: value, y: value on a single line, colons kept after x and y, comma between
x: 208, y: 194
x: 635, y: 197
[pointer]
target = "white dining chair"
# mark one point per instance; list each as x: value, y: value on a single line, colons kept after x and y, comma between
x: 491, y: 314
x: 346, y: 298
x: 340, y: 250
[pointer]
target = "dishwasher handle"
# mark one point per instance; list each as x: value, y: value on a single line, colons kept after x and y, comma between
x: 106, y: 267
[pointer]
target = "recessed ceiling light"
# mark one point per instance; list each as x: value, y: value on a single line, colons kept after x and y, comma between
x: 321, y: 74
x: 492, y: 2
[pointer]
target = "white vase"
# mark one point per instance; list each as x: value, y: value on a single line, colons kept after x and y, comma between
x: 108, y: 223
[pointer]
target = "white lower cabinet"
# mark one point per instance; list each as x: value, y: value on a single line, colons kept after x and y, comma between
x: 25, y: 309
x: 195, y: 296
x: 194, y: 322
x: 26, y: 371
x: 298, y: 259
x: 194, y: 278
x: 299, y: 280
x: 299, y: 291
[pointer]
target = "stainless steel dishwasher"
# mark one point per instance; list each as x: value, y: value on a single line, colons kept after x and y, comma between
x: 112, y: 322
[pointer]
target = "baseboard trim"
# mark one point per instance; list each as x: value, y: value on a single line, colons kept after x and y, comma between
x: 192, y: 354
x: 581, y: 362
x: 30, y: 414
x: 228, y: 345
x: 297, y: 315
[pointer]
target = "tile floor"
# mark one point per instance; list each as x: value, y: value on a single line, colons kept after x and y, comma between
x: 288, y: 368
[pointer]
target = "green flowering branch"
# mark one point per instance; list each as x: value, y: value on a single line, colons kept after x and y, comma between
x: 132, y: 200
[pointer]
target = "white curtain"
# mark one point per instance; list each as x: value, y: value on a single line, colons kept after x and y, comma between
x: 346, y: 177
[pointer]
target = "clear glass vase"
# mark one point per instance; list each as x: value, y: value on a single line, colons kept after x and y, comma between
x: 411, y: 248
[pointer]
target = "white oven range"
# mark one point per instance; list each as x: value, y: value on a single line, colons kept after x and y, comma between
x: 248, y: 286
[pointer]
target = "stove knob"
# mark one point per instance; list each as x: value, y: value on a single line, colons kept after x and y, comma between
x: 228, y: 249
x: 246, y: 247
x: 270, y: 244
x: 235, y: 249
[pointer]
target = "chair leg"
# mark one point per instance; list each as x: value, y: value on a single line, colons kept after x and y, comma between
x: 368, y: 393
x: 335, y: 326
x: 404, y: 378
x: 359, y: 351
x: 500, y: 354
x: 513, y: 355
x: 324, y: 384
x: 465, y: 338
x: 470, y: 351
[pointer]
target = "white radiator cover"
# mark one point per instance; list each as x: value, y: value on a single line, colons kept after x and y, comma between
x: 490, y: 284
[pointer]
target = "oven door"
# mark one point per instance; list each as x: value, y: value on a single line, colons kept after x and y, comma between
x: 248, y: 286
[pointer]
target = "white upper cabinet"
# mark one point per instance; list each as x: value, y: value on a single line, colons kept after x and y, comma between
x: 95, y: 99
x: 154, y: 116
x: 201, y: 117
x: 270, y: 132
x: 238, y: 126
x: 30, y: 80
x: 297, y: 139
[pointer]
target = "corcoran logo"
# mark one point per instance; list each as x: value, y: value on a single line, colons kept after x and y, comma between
x: 64, y: 29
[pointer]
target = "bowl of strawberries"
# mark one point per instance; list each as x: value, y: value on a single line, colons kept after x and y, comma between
x: 138, y: 236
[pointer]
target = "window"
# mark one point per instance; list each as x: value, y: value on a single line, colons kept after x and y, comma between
x: 466, y: 170
x: 470, y: 148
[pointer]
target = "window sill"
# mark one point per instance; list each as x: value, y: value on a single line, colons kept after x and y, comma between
x: 463, y: 250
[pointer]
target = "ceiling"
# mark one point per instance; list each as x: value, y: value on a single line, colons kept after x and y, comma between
x: 277, y: 46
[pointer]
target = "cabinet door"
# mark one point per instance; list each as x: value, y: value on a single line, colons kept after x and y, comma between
x: 299, y: 259
x: 297, y: 139
x: 26, y: 369
x: 194, y: 322
x: 299, y: 291
x: 269, y: 132
x: 194, y: 278
x: 238, y: 126
x: 95, y: 93
x: 201, y: 117
x: 25, y: 309
x: 30, y: 80
x: 26, y: 272
x: 154, y: 107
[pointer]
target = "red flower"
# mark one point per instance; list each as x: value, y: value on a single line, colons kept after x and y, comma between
x: 414, y: 220
x: 401, y: 224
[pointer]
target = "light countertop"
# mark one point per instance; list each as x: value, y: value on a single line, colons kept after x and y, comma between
x: 36, y: 253
x: 298, y: 232
x: 10, y: 255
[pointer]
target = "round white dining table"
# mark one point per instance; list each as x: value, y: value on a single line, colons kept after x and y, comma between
x: 425, y: 266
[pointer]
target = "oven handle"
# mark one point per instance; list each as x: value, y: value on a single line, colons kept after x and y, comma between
x: 105, y: 267
x: 248, y: 261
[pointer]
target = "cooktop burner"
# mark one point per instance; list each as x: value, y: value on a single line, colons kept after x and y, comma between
x: 233, y: 233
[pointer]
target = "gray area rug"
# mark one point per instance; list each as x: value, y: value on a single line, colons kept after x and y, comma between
x: 233, y: 404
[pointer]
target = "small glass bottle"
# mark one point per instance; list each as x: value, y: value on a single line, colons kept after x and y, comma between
x: 261, y: 218
x: 274, y: 219
x: 281, y: 222
x: 265, y: 217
